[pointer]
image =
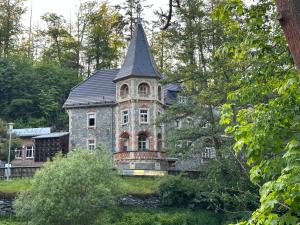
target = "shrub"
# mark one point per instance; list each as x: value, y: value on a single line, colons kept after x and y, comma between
x: 177, y: 190
x: 70, y: 190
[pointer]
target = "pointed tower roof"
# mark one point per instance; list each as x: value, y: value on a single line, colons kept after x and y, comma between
x: 139, y: 61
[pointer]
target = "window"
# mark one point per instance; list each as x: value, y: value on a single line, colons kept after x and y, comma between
x: 125, y: 117
x: 91, y: 120
x: 144, y: 116
x: 159, y: 93
x: 209, y: 153
x: 178, y: 123
x: 91, y: 144
x: 124, y: 144
x: 124, y: 91
x: 206, y: 125
x: 18, y: 153
x: 144, y: 90
x: 29, y: 152
x: 181, y: 99
x: 159, y: 142
x: 143, y: 142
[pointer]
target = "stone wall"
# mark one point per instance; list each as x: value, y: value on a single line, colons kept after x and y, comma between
x: 103, y: 132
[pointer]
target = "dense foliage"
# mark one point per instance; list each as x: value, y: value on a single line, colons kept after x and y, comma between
x: 262, y: 112
x: 70, y: 190
x: 4, y: 141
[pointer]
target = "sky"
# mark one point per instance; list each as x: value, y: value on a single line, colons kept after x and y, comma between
x: 67, y: 8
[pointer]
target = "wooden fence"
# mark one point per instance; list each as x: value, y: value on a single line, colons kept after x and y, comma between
x: 19, y: 172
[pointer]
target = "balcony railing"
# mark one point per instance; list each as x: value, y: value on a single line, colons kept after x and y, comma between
x: 139, y: 155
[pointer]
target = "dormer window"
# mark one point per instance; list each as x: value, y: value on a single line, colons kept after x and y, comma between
x: 124, y: 91
x: 144, y: 90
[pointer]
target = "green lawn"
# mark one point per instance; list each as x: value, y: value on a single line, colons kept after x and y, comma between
x: 14, y: 186
x: 139, y: 185
x: 131, y: 185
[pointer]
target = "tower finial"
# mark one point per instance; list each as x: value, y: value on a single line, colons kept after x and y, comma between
x: 139, y: 11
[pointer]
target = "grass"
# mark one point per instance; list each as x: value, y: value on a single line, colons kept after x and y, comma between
x: 131, y: 185
x: 139, y: 185
x: 9, y: 220
x: 14, y: 186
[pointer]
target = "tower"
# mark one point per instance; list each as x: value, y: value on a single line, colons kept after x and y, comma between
x: 139, y: 97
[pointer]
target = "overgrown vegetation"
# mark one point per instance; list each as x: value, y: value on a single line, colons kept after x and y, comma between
x: 70, y: 190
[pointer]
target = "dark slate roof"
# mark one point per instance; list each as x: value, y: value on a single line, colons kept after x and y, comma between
x: 139, y: 61
x: 52, y: 135
x: 31, y: 132
x: 171, y: 92
x: 98, y: 89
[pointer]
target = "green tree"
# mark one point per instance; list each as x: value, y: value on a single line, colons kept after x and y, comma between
x: 70, y: 190
x: 104, y: 37
x: 10, y: 25
x: 63, y: 47
x: 263, y: 107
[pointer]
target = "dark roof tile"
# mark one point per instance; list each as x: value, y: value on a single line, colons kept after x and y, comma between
x: 139, y: 61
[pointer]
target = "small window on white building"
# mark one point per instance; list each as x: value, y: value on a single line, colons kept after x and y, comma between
x: 91, y: 144
x: 18, y: 153
x: 29, y: 152
x: 144, y: 118
x: 125, y: 117
x: 91, y: 120
x: 181, y: 99
x: 209, y: 153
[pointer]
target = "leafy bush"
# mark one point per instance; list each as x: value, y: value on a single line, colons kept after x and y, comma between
x: 177, y: 190
x: 164, y: 216
x: 70, y: 190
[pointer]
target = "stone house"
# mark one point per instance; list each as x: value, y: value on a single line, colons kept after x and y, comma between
x: 117, y: 108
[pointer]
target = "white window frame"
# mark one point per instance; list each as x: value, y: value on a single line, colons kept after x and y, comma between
x: 19, y: 150
x: 89, y: 116
x: 31, y: 149
x: 140, y: 116
x: 90, y: 144
x: 206, y: 125
x: 209, y: 153
x: 181, y: 99
x: 126, y: 144
x: 144, y: 144
x: 123, y: 116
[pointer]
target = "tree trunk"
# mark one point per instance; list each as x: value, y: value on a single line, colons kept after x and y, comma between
x: 289, y: 17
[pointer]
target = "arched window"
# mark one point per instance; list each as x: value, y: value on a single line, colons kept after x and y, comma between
x: 159, y: 142
x: 124, y: 91
x: 144, y: 90
x: 159, y: 93
x: 124, y: 142
x: 143, y: 142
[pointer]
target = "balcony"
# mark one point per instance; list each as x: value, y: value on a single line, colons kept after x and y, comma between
x: 139, y: 155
